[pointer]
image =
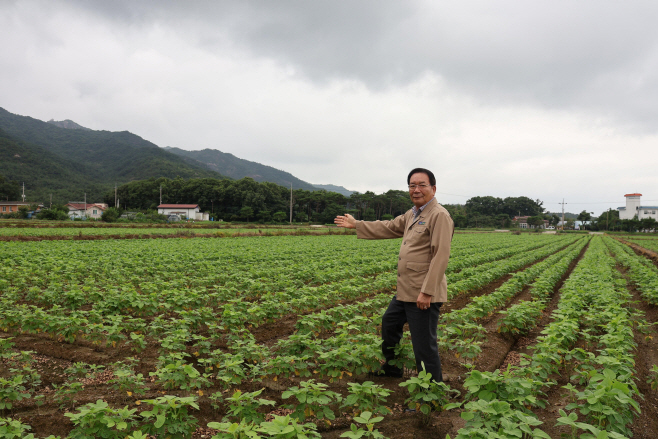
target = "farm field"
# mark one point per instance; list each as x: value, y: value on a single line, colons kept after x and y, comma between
x: 650, y: 243
x: 145, y: 232
x: 543, y: 335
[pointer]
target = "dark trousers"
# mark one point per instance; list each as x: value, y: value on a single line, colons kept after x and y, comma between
x: 422, y: 325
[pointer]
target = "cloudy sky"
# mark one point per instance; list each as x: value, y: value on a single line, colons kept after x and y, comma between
x: 549, y: 100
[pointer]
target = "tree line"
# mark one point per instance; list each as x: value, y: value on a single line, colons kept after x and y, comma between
x: 248, y: 200
x: 610, y: 221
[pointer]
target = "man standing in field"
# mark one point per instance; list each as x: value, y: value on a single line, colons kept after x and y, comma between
x: 427, y: 231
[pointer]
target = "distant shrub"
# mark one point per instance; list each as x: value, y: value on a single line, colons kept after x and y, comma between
x: 57, y: 212
x: 111, y: 214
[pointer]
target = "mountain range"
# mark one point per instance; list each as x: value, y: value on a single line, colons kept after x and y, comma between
x: 229, y: 165
x: 67, y: 161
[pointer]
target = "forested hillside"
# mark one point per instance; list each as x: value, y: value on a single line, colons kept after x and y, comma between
x: 334, y: 188
x: 227, y: 164
x: 45, y: 173
x: 69, y: 162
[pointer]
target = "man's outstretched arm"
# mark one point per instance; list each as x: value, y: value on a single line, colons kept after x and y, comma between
x: 372, y: 229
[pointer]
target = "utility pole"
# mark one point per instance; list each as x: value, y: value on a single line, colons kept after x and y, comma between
x: 116, y: 205
x: 23, y: 192
x: 607, y: 220
x: 563, y: 203
x: 51, y: 201
x: 85, y: 205
x: 160, y: 194
x: 291, y: 204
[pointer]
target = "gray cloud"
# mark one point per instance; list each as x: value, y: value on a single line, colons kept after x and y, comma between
x: 502, y: 98
x: 591, y: 55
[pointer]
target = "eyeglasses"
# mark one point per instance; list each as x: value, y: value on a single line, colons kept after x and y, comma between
x: 412, y: 187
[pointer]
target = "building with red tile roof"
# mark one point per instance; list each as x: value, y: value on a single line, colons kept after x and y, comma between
x: 85, y: 210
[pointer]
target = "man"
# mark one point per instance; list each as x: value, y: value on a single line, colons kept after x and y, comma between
x: 427, y: 231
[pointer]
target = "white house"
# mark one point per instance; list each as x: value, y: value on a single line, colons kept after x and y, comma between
x: 634, y: 208
x: 577, y: 225
x: 522, y: 221
x: 189, y: 211
x: 88, y: 210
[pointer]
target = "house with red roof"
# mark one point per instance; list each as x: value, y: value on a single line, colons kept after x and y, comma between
x: 85, y: 210
x: 189, y: 211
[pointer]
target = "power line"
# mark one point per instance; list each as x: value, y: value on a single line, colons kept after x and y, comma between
x: 456, y: 195
x: 599, y: 202
x: 589, y: 202
x: 559, y: 202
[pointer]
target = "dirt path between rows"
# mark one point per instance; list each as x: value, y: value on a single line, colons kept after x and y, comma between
x: 641, y: 251
x: 646, y: 355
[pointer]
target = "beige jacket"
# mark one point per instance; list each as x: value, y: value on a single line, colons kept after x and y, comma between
x: 424, y: 252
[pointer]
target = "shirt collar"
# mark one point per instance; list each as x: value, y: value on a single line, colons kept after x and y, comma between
x: 417, y: 210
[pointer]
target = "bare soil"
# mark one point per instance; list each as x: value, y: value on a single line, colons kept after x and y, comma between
x: 646, y: 425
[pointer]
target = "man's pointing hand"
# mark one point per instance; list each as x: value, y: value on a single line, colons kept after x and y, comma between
x: 346, y: 221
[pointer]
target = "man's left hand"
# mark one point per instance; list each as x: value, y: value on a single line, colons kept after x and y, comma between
x: 424, y: 300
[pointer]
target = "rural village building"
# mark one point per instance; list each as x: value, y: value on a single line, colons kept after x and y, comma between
x: 574, y: 224
x: 12, y: 206
x: 189, y: 211
x: 89, y: 210
x: 633, y: 208
x: 522, y: 221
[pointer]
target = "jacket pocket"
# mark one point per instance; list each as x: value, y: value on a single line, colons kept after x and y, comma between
x: 416, y: 272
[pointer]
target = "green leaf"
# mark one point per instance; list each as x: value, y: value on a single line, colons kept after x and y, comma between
x: 160, y: 420
x: 467, y: 415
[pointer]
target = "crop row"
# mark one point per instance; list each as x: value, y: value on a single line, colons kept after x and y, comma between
x: 521, y: 317
x: 251, y: 264
x: 486, y: 273
x: 590, y: 340
x: 642, y: 272
x: 649, y: 244
x: 460, y: 331
x: 177, y: 301
x: 99, y: 231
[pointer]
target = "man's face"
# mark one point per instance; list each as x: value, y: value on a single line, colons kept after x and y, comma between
x: 422, y: 192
